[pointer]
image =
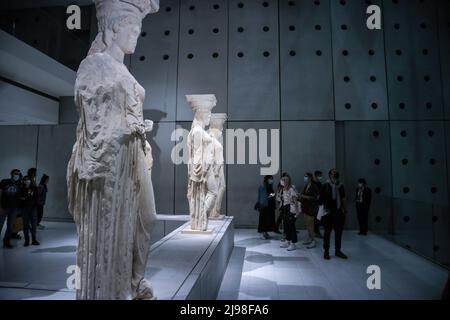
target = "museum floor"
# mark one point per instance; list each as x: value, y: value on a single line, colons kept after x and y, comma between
x: 257, y: 269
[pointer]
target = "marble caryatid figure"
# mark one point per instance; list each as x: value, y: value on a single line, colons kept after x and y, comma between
x: 202, y: 185
x: 148, y: 149
x: 110, y: 191
x: 215, y: 131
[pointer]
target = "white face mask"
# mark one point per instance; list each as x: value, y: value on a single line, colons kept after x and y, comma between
x: 270, y: 181
x: 306, y: 179
x: 360, y: 185
x: 16, y: 177
x: 282, y: 183
x: 27, y: 183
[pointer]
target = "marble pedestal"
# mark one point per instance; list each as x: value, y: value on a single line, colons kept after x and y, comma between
x: 220, y: 217
x: 188, y: 230
x: 185, y: 266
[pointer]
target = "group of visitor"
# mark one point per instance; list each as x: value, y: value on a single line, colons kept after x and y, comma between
x: 22, y: 203
x: 322, y: 204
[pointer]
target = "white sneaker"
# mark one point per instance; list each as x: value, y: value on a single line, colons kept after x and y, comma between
x: 285, y: 244
x: 311, y: 245
x: 292, y: 247
x: 307, y: 241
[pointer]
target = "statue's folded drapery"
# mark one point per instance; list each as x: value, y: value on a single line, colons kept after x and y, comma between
x: 202, y: 188
x: 109, y: 182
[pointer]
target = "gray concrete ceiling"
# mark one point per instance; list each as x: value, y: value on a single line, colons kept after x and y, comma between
x: 23, y: 4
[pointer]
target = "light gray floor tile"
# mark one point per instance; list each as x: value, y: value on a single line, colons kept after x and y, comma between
x: 257, y: 269
x: 270, y: 271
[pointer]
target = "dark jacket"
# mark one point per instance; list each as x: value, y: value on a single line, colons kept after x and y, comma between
x: 318, y: 184
x: 366, y: 197
x: 326, y: 196
x: 446, y: 292
x: 29, y: 196
x: 10, y: 193
x: 310, y: 206
x: 42, y: 194
x: 263, y: 201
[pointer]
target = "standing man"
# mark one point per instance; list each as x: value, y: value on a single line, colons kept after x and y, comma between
x: 332, y: 196
x: 318, y: 178
x: 363, y: 200
x: 9, y: 204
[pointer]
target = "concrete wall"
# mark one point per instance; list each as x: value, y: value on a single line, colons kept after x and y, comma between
x: 372, y: 103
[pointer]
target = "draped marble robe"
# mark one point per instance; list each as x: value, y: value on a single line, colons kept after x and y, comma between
x: 218, y: 169
x: 110, y: 190
x: 202, y: 187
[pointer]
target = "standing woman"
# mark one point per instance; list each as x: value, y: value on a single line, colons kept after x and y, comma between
x: 363, y: 200
x: 309, y: 200
x: 42, y: 196
x: 266, y: 207
x: 279, y: 220
x: 29, y: 214
x: 32, y: 173
x: 287, y: 197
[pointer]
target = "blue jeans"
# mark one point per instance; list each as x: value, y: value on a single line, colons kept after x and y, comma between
x: 8, y: 214
x: 29, y: 216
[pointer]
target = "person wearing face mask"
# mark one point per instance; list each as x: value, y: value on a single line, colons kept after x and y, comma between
x: 32, y: 173
x: 266, y: 207
x: 318, y: 178
x: 279, y: 221
x: 29, y: 195
x: 332, y: 196
x: 9, y: 204
x: 309, y: 200
x: 287, y: 197
x: 42, y: 196
x: 363, y: 200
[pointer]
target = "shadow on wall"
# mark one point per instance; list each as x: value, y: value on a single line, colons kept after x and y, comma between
x: 156, y: 116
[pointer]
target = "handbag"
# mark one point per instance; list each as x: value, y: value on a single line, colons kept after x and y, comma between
x: 322, y: 212
x: 18, y: 225
x: 299, y: 208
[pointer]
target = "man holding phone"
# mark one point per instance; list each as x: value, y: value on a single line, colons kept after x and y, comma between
x: 332, y: 196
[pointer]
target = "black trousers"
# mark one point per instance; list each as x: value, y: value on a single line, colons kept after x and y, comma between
x: 289, y: 224
x: 363, y: 218
x: 279, y: 220
x: 29, y: 216
x: 266, y: 220
x: 335, y: 220
x: 40, y: 213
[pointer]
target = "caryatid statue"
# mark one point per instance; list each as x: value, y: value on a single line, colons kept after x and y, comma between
x: 215, y: 131
x: 202, y: 185
x: 148, y: 149
x: 110, y: 190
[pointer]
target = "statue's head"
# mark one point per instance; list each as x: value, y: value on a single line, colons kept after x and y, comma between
x: 120, y: 22
x: 217, y: 121
x: 202, y: 105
